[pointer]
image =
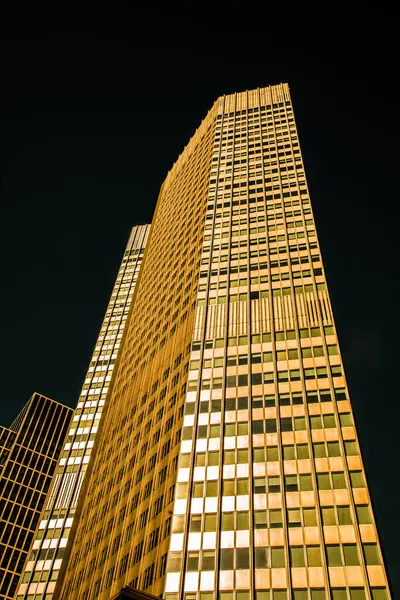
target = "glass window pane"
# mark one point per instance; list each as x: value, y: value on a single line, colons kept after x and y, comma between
x: 242, y: 558
x: 310, y: 517
x: 242, y: 487
x: 328, y: 516
x: 379, y: 594
x: 357, y: 479
x: 227, y: 522
x: 357, y: 594
x: 226, y: 559
x: 297, y: 557
x: 272, y: 454
x: 344, y: 515
x: 277, y: 557
x: 305, y: 483
x: 339, y: 482
x: 319, y: 450
x: 314, y: 556
x: 288, y: 453
x: 242, y: 520
x: 228, y: 488
x: 363, y: 515
x: 371, y: 554
x: 260, y: 519
x: 300, y: 595
x: 210, y: 523
x: 323, y: 481
x: 260, y: 558
x: 318, y: 595
x: 350, y: 555
x: 302, y: 451
x: 262, y: 595
x: 334, y: 556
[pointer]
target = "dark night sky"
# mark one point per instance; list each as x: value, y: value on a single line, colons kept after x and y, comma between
x: 90, y: 124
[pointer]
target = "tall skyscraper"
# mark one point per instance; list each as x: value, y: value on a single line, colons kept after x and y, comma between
x: 43, y: 565
x: 227, y: 465
x: 29, y: 450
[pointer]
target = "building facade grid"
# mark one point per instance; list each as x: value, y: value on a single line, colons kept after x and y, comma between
x: 228, y: 464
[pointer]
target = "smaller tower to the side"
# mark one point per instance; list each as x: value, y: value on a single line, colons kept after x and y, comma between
x: 29, y: 451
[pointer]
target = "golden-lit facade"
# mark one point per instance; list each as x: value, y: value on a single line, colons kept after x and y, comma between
x: 227, y: 465
x: 29, y: 450
x: 43, y: 565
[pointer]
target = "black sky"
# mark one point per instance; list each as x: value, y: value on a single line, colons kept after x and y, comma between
x: 91, y: 122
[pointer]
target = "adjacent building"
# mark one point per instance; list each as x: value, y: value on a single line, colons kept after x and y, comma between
x: 29, y: 450
x: 43, y: 565
x: 227, y: 463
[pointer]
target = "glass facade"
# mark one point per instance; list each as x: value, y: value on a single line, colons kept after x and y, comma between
x: 227, y: 464
x: 29, y: 450
x: 46, y: 557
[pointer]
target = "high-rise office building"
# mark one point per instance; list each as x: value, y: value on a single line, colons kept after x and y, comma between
x: 227, y: 465
x: 43, y: 564
x: 29, y: 450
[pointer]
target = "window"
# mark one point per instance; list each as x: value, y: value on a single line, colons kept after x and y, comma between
x: 294, y: 517
x: 371, y: 554
x: 260, y: 557
x: 363, y: 515
x: 273, y: 484
x: 328, y: 516
x: 260, y: 519
x: 357, y: 479
x: 334, y: 556
x: 148, y: 576
x: 344, y: 515
x: 305, y: 483
x: 310, y: 517
x: 346, y: 419
x: 379, y: 594
x: 278, y: 557
x: 323, y: 481
x: 314, y: 556
x: 357, y: 594
x: 350, y: 555
x: 242, y: 558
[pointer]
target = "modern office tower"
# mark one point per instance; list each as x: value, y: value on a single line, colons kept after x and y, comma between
x: 227, y: 466
x: 29, y: 450
x: 41, y: 569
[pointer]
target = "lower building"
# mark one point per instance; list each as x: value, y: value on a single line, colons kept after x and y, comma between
x: 29, y: 451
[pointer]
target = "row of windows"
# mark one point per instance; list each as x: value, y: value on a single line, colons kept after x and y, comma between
x: 336, y: 593
x: 274, y: 557
x: 279, y: 336
x: 266, y: 357
x: 237, y: 381
x: 272, y: 484
x: 267, y: 454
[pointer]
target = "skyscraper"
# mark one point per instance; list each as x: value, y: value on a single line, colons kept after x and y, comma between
x: 29, y: 450
x: 227, y: 465
x: 41, y: 569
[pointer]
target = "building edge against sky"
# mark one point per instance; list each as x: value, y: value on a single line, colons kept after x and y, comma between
x: 29, y: 451
x: 228, y: 462
x: 43, y: 564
